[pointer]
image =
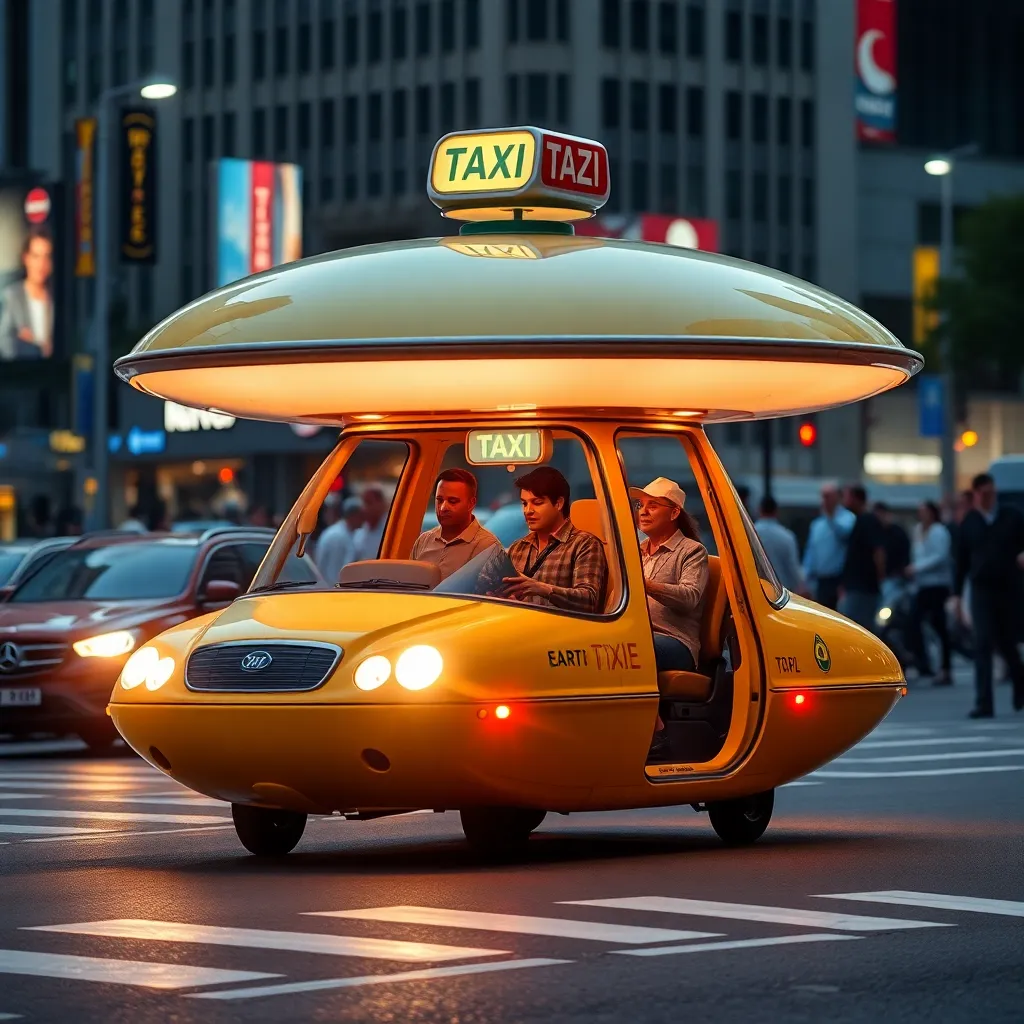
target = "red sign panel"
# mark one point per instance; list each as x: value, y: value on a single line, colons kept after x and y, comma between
x: 573, y: 165
x: 261, y: 247
x: 37, y: 205
x: 875, y: 98
x: 687, y: 232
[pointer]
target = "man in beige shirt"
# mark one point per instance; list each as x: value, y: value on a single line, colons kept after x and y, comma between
x: 458, y: 537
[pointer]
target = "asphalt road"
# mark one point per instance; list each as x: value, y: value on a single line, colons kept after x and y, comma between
x: 125, y: 898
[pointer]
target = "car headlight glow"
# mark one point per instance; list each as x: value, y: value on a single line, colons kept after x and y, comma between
x: 419, y: 667
x: 105, y: 645
x: 373, y: 672
x: 146, y: 666
x: 884, y: 614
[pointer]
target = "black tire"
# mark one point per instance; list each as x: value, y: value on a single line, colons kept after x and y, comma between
x: 268, y: 832
x: 742, y: 821
x: 498, y: 830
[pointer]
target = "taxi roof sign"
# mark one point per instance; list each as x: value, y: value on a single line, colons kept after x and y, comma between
x: 518, y: 174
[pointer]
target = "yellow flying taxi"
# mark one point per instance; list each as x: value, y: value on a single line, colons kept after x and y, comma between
x: 511, y: 345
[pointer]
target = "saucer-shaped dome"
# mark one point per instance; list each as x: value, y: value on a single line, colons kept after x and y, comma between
x: 478, y: 323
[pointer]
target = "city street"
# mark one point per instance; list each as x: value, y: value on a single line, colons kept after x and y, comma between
x: 888, y: 886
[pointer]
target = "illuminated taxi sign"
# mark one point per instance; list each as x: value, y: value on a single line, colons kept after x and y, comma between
x: 518, y: 174
x: 507, y: 447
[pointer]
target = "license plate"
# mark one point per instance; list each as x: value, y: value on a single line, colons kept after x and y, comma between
x: 25, y: 697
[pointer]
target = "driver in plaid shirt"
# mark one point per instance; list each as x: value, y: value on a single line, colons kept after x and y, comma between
x: 558, y: 565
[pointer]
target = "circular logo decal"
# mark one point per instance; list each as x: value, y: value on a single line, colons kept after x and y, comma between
x: 821, y: 655
x: 256, y: 661
x: 10, y: 657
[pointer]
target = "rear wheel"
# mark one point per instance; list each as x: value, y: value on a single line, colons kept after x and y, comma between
x: 268, y: 832
x: 496, y: 830
x: 742, y: 821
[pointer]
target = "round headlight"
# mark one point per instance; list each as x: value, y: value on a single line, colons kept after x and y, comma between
x: 160, y: 673
x: 373, y: 672
x: 138, y: 667
x: 418, y: 667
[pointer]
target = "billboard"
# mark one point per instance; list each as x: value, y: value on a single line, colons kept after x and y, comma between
x: 138, y: 186
x: 687, y: 232
x: 875, y: 98
x: 85, y: 155
x: 257, y: 218
x: 28, y: 224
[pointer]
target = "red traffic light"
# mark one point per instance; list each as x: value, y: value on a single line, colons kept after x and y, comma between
x: 808, y: 434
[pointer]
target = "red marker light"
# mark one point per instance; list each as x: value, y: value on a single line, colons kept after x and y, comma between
x: 808, y: 434
x: 501, y: 711
x: 799, y: 700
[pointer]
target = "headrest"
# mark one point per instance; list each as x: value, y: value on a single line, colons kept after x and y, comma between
x: 396, y: 570
x: 586, y: 515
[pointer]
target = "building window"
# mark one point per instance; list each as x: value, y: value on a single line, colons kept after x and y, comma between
x: 423, y: 123
x: 562, y: 115
x: 259, y: 54
x: 611, y: 24
x: 695, y: 111
x: 281, y: 38
x: 759, y: 118
x: 783, y: 199
x: 734, y: 36
x: 446, y: 108
x: 228, y: 135
x: 512, y: 97
x: 562, y: 21
x: 759, y: 186
x: 208, y: 134
x: 399, y: 21
x: 471, y: 101
x: 536, y: 20
x: 807, y: 202
x: 447, y: 26
x: 374, y: 34
x: 374, y: 117
x: 120, y: 55
x: 69, y: 50
x: 422, y: 29
x: 327, y: 124
x: 639, y: 25
x: 305, y: 127
x: 668, y: 175
x: 512, y: 20
x: 471, y: 26
x: 351, y: 121
x: 188, y: 141
x: 759, y: 38
x: 668, y: 27
x: 807, y: 45
x: 209, y: 64
x: 784, y: 120
x: 639, y: 107
x: 611, y: 116
x: 638, y: 186
x: 696, y: 195
x: 808, y: 266
x: 145, y: 33
x: 399, y: 124
x: 304, y: 47
x: 734, y: 195
x: 281, y: 132
x: 94, y: 48
x: 259, y: 134
x: 536, y: 98
x: 733, y: 115
x: 668, y: 115
x: 228, y: 60
x: 350, y: 34
x: 328, y: 27
x: 784, y: 43
x: 807, y: 123
x: 695, y: 30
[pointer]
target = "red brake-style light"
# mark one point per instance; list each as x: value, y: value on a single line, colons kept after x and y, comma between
x: 501, y: 711
x: 808, y: 434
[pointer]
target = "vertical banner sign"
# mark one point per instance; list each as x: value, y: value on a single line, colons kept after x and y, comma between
x: 85, y: 154
x: 925, y: 276
x: 875, y: 100
x: 931, y: 400
x: 261, y: 244
x: 138, y: 186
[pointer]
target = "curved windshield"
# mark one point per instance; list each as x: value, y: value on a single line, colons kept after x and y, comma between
x: 481, y: 576
x: 10, y: 559
x: 121, y: 572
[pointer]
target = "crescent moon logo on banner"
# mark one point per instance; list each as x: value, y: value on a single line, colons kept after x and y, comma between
x: 682, y: 233
x: 878, y: 80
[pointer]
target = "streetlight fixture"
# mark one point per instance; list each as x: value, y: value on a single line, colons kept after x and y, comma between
x: 942, y: 166
x: 152, y: 89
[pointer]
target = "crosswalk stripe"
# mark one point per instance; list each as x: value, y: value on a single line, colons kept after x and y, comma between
x: 751, y: 912
x: 119, y: 972
x: 978, y: 769
x: 132, y: 834
x: 81, y: 787
x: 48, y: 830
x: 706, y: 947
x: 514, y: 923
x: 71, y: 777
x: 957, y: 755
x: 426, y: 974
x: 258, y: 938
x: 25, y: 796
x: 881, y: 744
x: 934, y: 901
x: 158, y: 801
x: 165, y: 819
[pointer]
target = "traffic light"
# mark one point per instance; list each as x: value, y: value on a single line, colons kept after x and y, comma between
x: 969, y: 438
x: 807, y: 432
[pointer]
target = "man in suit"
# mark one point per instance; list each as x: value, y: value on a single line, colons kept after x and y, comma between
x: 990, y: 553
x: 26, y: 307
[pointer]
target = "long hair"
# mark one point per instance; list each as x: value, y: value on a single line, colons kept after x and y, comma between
x: 687, y: 525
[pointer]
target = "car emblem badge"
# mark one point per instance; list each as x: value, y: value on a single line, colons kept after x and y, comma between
x: 256, y: 661
x: 821, y: 655
x: 10, y: 657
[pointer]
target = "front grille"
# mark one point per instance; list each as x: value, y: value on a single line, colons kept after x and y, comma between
x: 21, y: 659
x: 272, y: 667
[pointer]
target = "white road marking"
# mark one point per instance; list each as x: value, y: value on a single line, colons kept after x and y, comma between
x: 85, y: 787
x: 801, y: 782
x: 706, y: 947
x: 902, y: 730
x: 514, y: 923
x: 124, y: 835
x: 258, y: 938
x: 63, y: 831
x: 934, y: 901
x: 185, y: 799
x: 958, y: 755
x: 163, y: 819
x: 130, y: 777
x: 880, y: 744
x: 25, y: 796
x: 119, y: 972
x: 751, y: 912
x: 921, y: 773
x: 10, y: 1016
x: 427, y: 974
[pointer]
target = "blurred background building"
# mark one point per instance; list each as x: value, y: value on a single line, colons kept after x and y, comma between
x: 788, y: 132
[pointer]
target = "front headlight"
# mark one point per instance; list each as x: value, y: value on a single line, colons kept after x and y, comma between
x: 106, y: 645
x: 373, y: 672
x: 418, y: 667
x: 146, y: 666
x: 884, y: 615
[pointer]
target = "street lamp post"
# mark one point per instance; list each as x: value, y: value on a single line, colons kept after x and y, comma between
x: 152, y: 90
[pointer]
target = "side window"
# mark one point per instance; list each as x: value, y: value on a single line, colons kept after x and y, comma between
x: 771, y: 586
x: 226, y: 563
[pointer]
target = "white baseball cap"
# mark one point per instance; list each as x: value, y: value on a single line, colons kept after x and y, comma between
x: 664, y: 488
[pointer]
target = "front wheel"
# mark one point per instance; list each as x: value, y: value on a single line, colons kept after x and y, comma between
x: 267, y: 832
x: 496, y: 830
x: 742, y: 821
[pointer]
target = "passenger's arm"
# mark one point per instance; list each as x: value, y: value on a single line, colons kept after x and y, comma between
x: 589, y: 579
x: 842, y: 525
x: 685, y: 595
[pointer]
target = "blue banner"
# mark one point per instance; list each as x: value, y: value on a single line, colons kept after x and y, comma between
x: 931, y: 399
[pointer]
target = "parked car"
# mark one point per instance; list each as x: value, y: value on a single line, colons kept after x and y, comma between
x: 20, y: 557
x: 68, y: 627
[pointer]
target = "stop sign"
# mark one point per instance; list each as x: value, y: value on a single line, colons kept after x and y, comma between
x: 37, y: 205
